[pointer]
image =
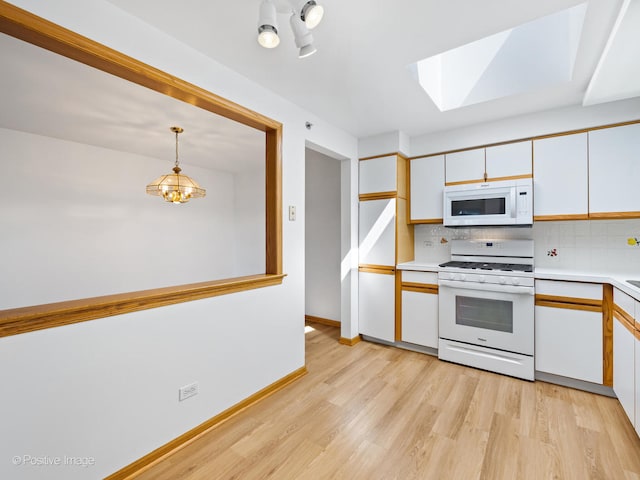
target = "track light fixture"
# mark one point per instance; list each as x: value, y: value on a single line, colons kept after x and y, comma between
x: 267, y: 26
x: 302, y: 36
x: 304, y: 15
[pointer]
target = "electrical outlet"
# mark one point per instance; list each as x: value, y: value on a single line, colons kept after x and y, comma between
x: 188, y: 391
x: 292, y: 213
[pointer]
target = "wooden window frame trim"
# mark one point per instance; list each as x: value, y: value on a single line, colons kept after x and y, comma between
x: 25, y: 26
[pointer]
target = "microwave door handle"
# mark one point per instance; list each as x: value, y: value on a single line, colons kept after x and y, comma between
x: 514, y: 206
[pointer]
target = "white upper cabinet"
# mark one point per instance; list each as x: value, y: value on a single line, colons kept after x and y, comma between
x: 614, y: 169
x: 426, y: 182
x: 561, y: 179
x: 377, y: 232
x: 498, y: 163
x: 378, y: 175
x: 509, y: 160
x: 465, y: 166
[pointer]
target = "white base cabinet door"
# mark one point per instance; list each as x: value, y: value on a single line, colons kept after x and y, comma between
x: 377, y: 305
x: 637, y: 355
x: 623, y: 368
x: 420, y: 318
x: 569, y: 343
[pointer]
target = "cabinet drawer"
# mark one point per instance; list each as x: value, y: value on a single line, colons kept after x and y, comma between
x: 429, y: 278
x: 624, y: 301
x: 558, y: 288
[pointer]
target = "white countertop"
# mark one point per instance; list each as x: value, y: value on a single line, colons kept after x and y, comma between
x: 616, y: 279
x: 419, y: 266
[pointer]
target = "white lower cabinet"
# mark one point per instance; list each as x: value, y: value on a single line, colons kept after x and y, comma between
x: 623, y: 367
x: 568, y: 338
x: 376, y: 300
x: 637, y: 354
x: 420, y: 308
x: 569, y: 343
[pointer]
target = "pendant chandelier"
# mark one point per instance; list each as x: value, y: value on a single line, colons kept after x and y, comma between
x: 175, y: 187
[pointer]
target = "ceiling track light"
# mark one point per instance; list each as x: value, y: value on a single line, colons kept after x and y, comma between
x: 305, y: 15
x: 302, y: 37
x: 267, y: 25
x: 311, y: 14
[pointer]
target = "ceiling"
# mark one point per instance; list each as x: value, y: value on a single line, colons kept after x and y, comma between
x: 46, y: 94
x: 359, y: 80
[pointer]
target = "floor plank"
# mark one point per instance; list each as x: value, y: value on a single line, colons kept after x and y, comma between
x: 376, y: 412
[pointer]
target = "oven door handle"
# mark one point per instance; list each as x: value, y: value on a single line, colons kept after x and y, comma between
x: 487, y: 287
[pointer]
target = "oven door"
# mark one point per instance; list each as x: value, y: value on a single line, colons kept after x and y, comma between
x: 493, y: 316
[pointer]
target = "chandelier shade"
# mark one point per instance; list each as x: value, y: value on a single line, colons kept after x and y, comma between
x: 176, y: 187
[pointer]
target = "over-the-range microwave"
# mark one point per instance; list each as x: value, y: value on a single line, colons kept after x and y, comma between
x: 507, y: 202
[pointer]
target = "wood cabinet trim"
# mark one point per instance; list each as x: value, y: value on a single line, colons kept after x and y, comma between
x: 373, y: 157
x: 607, y: 335
x: 419, y: 287
x: 364, y: 197
x: 380, y: 269
x: 613, y: 215
x: 578, y: 302
x: 569, y: 306
x: 625, y: 318
x: 551, y: 218
x: 426, y: 221
x: 39, y: 317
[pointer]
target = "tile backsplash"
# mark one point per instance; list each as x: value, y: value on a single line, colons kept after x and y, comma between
x: 588, y: 245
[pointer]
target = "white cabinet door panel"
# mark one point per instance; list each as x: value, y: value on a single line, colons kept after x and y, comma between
x: 420, y: 318
x: 377, y: 305
x: 569, y: 343
x: 614, y: 169
x: 623, y: 368
x: 637, y: 381
x: 377, y: 232
x: 378, y: 175
x: 562, y: 288
x: 464, y: 166
x: 510, y: 160
x: 561, y: 178
x: 427, y: 183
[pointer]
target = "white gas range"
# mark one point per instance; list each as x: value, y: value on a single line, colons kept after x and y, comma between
x: 486, y: 305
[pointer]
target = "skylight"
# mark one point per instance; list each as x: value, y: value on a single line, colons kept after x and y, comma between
x: 522, y: 59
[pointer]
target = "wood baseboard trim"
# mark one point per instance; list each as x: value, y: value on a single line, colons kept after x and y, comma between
x: 322, y: 321
x: 146, y: 462
x: 350, y: 342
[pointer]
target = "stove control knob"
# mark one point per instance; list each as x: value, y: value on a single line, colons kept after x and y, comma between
x: 502, y: 280
x: 482, y: 279
x: 515, y: 281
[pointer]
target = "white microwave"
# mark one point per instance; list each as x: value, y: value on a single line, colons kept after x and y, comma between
x: 508, y: 202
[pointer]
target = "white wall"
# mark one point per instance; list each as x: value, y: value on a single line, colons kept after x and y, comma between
x: 250, y: 221
x: 540, y: 123
x: 108, y: 388
x: 322, y: 233
x: 90, y: 205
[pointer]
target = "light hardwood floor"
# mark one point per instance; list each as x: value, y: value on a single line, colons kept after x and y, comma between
x: 375, y: 412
